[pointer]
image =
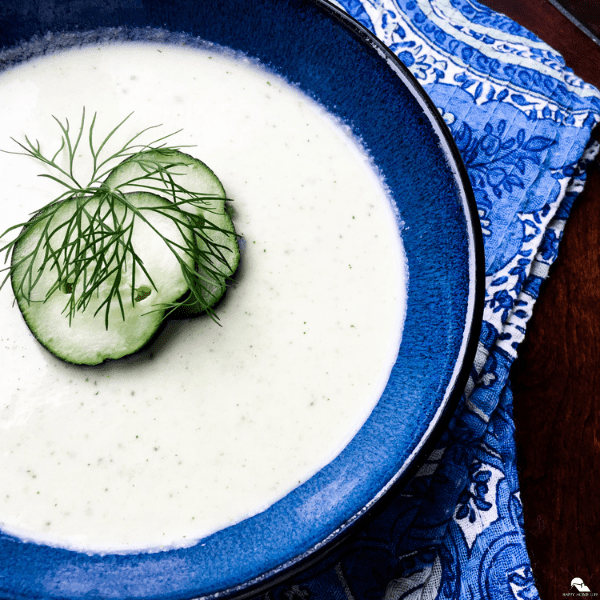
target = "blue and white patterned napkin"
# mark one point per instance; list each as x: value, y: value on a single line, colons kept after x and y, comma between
x: 522, y: 122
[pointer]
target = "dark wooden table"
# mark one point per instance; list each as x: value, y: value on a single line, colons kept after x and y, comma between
x: 556, y: 378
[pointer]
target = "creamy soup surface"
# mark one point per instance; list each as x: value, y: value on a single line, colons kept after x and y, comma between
x: 213, y: 423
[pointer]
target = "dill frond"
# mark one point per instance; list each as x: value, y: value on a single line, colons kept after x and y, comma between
x: 91, y: 251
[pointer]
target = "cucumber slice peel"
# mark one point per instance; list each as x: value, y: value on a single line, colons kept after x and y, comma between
x: 192, y: 185
x: 127, y: 308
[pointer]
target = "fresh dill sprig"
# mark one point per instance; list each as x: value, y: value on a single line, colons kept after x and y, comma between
x: 91, y: 250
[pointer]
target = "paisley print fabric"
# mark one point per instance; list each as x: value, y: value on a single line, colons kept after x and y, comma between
x: 522, y: 122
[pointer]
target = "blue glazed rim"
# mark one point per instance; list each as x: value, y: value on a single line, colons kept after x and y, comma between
x: 342, y: 65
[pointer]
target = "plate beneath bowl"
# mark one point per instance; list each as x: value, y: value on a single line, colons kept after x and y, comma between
x: 342, y: 66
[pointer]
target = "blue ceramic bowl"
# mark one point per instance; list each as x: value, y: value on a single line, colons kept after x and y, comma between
x: 340, y: 64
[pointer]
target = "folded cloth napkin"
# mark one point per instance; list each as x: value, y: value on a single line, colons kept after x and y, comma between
x: 522, y: 122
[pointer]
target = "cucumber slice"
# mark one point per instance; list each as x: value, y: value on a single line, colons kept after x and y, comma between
x: 85, y: 338
x: 168, y: 172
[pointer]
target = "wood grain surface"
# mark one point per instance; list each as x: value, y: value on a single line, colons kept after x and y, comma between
x: 556, y: 378
x: 586, y: 12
